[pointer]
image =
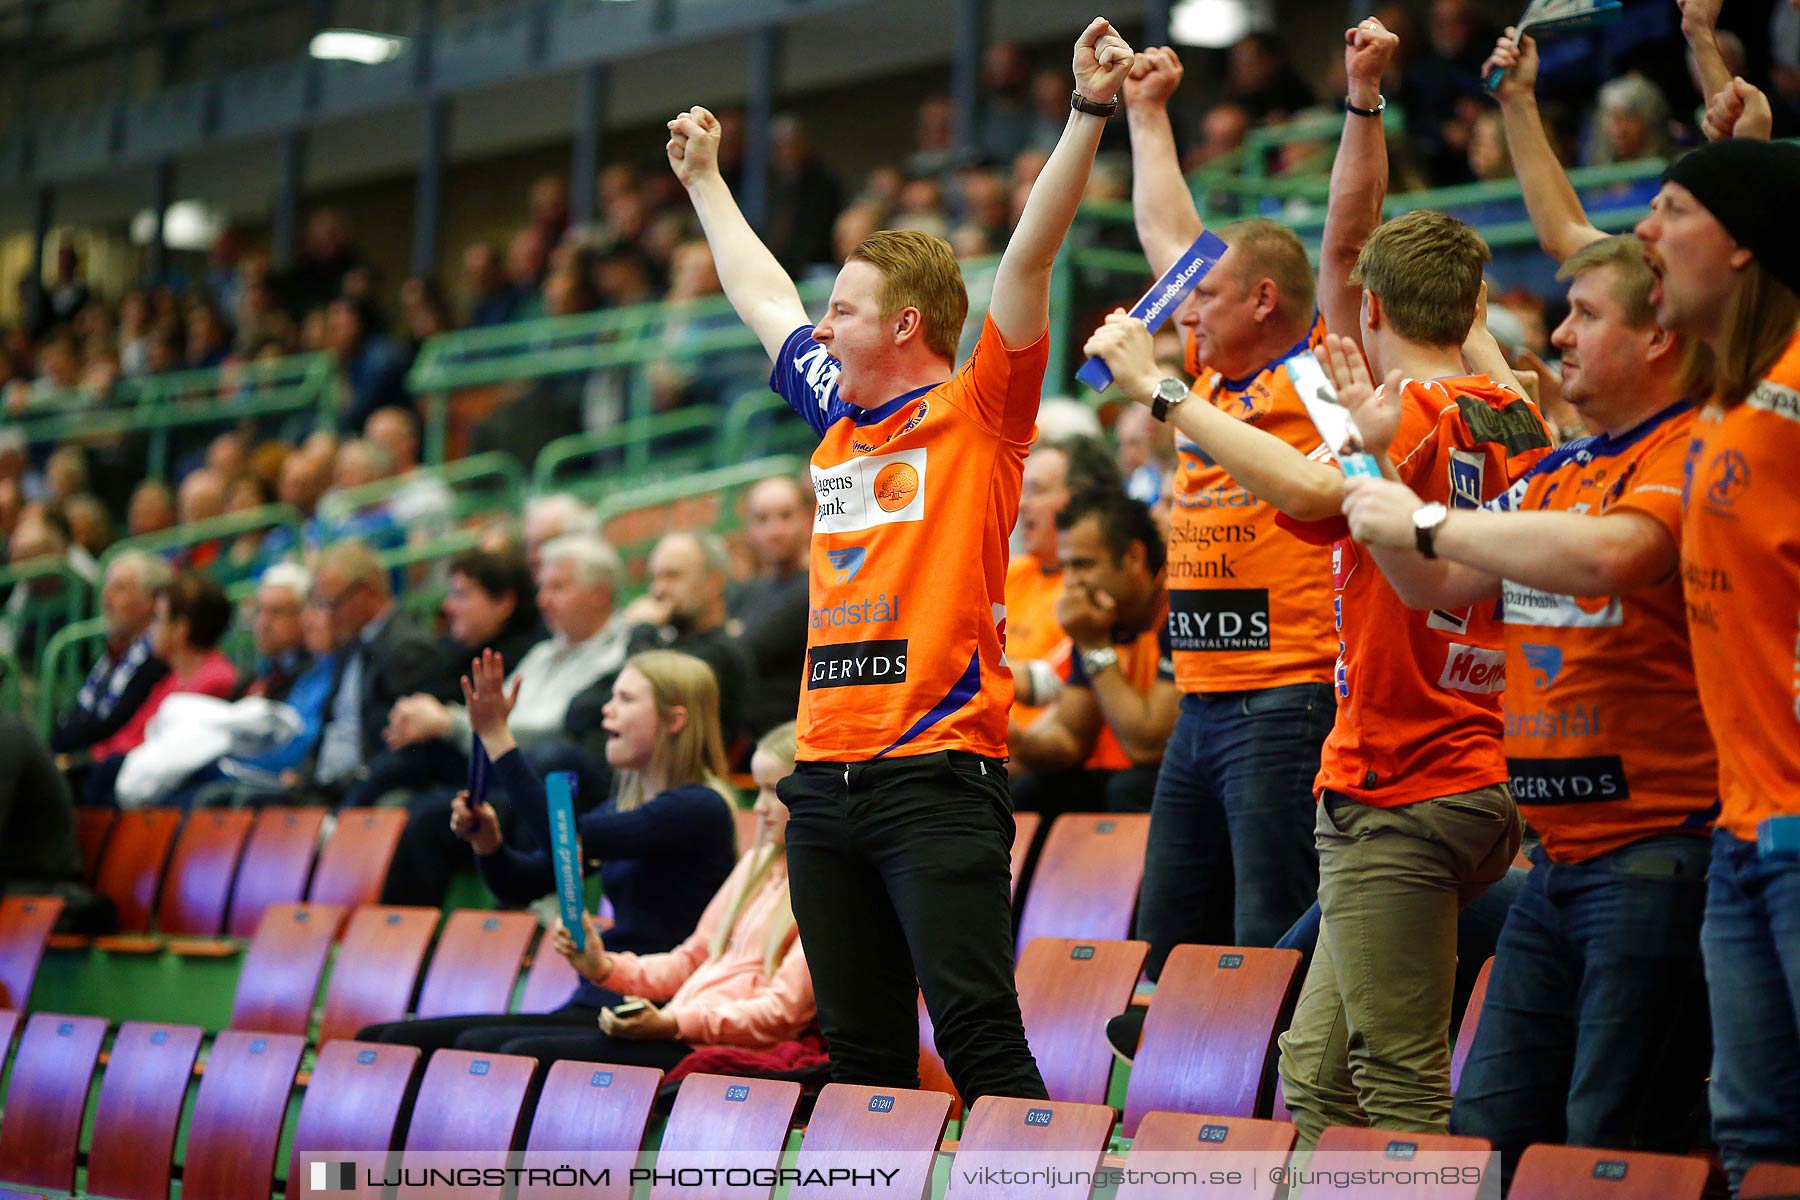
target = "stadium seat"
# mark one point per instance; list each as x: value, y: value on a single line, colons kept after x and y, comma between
x: 722, y: 1120
x: 598, y: 1110
x: 25, y: 925
x: 278, y: 857
x: 9, y: 1025
x: 236, y: 1127
x: 468, y: 1105
x: 1208, y: 1032
x: 1435, y: 1152
x: 475, y: 963
x: 8, y: 1194
x: 1586, y: 1173
x: 550, y: 981
x: 1068, y: 989
x: 376, y: 969
x: 1087, y: 876
x: 865, y: 1128
x: 1465, y: 1036
x: 352, y: 1106
x: 1167, y: 1142
x: 280, y: 974
x: 132, y: 869
x: 46, y: 1099
x: 1770, y: 1181
x: 142, y: 1094
x: 200, y: 872
x: 1025, y: 830
x: 353, y: 866
x: 92, y: 827
x: 1004, y: 1133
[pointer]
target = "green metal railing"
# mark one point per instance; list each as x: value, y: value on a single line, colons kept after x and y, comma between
x: 159, y: 406
x: 72, y: 650
x: 741, y: 439
x: 12, y: 685
x: 624, y: 453
x: 477, y: 483
x: 55, y: 594
x: 634, y: 519
x: 183, y: 538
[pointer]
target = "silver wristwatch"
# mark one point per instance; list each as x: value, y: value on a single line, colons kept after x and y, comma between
x: 1095, y: 661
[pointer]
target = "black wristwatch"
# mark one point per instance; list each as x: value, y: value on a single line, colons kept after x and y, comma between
x: 1093, y: 108
x: 1168, y: 394
x: 1380, y: 107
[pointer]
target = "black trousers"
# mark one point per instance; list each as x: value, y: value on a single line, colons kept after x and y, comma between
x: 572, y: 1031
x: 900, y: 872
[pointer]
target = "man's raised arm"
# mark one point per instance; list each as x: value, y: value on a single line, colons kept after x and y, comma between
x: 761, y: 292
x: 1161, y: 204
x: 1562, y: 224
x: 1020, y: 308
x: 1359, y: 177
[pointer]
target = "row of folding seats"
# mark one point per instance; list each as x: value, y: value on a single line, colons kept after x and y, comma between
x: 596, y: 1115
x: 214, y: 873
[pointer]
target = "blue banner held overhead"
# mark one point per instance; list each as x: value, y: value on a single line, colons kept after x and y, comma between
x: 565, y: 853
x: 1155, y: 306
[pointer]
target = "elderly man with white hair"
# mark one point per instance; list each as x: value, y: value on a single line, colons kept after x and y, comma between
x: 276, y: 629
x: 579, y: 579
x: 127, y: 669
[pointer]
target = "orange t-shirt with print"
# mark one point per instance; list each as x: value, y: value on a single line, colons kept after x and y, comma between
x: 915, y: 502
x: 1740, y: 549
x: 1032, y: 630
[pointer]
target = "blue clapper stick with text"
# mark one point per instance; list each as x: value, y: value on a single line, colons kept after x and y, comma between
x: 1158, y: 304
x: 1543, y: 17
x: 565, y: 853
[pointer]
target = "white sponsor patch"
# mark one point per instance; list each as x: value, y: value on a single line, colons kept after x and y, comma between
x: 877, y: 489
x: 1474, y: 669
x: 1528, y: 606
x: 1772, y: 397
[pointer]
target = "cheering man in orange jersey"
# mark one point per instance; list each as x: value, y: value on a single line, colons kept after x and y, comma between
x: 901, y: 823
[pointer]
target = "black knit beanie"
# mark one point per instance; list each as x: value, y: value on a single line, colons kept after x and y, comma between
x: 1753, y: 188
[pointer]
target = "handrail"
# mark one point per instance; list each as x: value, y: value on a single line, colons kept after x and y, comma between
x: 194, y: 533
x: 71, y: 602
x: 735, y: 437
x: 337, y: 505
x: 633, y: 437
x: 665, y: 491
x: 50, y: 675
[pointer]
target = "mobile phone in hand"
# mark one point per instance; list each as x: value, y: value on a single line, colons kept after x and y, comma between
x: 630, y: 1008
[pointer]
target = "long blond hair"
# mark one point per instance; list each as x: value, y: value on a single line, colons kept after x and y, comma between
x: 778, y: 743
x: 695, y: 753
x: 1760, y: 320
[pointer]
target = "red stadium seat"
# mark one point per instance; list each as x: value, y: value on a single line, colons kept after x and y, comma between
x: 25, y: 925
x: 1770, y: 1181
x: 1586, y: 1173
x: 141, y: 1097
x: 132, y: 869
x: 1087, y: 876
x: 280, y: 975
x: 1068, y: 989
x: 467, y: 1104
x: 376, y: 969
x: 46, y: 1099
x: 550, y: 981
x: 353, y: 866
x: 1463, y: 1158
x: 92, y: 827
x: 1167, y: 1142
x: 9, y: 1025
x: 200, y: 872
x: 352, y: 1107
x: 598, y: 1110
x: 1465, y: 1036
x: 476, y: 962
x: 1003, y: 1133
x: 1025, y: 831
x: 278, y: 857
x: 721, y: 1121
x: 8, y: 1194
x: 236, y: 1127
x: 890, y: 1129
x: 1208, y: 1032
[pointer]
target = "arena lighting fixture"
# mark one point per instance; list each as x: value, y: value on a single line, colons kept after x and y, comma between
x: 187, y: 225
x: 356, y: 45
x: 1213, y: 24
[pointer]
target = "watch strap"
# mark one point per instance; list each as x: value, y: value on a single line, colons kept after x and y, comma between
x: 1094, y: 108
x: 1380, y: 107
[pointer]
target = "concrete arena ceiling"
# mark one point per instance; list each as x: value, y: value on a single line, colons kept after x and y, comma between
x: 882, y: 38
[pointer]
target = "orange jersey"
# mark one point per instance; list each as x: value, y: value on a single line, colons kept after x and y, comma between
x: 1032, y: 630
x: 1605, y: 740
x: 915, y: 501
x: 1145, y: 661
x: 1418, y: 713
x: 1249, y: 603
x: 1740, y: 569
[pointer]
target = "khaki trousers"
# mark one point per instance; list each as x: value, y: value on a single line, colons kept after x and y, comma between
x: 1369, y: 1043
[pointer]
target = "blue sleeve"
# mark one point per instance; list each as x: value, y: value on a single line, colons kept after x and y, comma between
x: 1165, y: 655
x: 1077, y: 673
x: 805, y: 375
x: 664, y: 824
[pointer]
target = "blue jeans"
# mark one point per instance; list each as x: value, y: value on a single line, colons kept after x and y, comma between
x: 1752, y: 941
x: 1231, y: 857
x: 1593, y: 1032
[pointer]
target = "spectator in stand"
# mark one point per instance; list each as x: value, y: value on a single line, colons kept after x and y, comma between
x: 278, y: 632
x: 1222, y: 132
x: 556, y: 515
x: 208, y: 338
x: 664, y: 842
x: 128, y: 668
x: 803, y: 198
x: 527, y: 255
x: 934, y: 151
x: 38, y: 850
x: 1103, y: 737
x: 191, y: 616
x: 372, y: 368
x: 548, y: 203
x: 487, y: 299
x: 69, y: 292
x: 1443, y: 91
x: 90, y: 525
x: 420, y: 506
x: 200, y: 498
x: 57, y: 382
x: 1007, y: 120
x: 152, y: 509
x: 424, y: 313
x: 1260, y: 79
x: 325, y: 256
x: 65, y: 474
x: 769, y: 612
x: 1146, y: 457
